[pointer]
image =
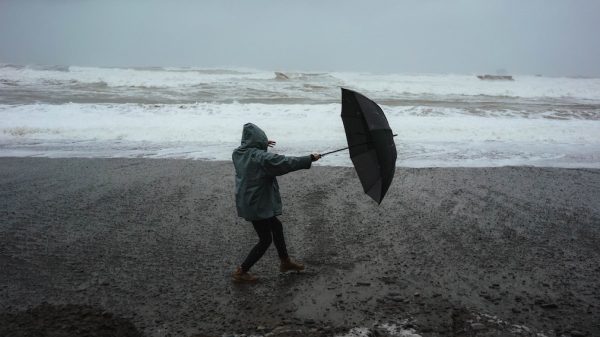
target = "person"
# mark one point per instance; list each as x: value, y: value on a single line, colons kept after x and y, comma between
x: 257, y: 196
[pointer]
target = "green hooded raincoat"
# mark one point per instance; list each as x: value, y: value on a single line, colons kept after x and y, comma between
x: 256, y: 189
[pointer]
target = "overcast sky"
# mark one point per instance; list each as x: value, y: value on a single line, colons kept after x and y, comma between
x: 551, y: 37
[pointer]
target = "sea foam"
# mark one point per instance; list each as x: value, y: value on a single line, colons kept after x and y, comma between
x: 309, y: 87
x: 447, y: 137
x: 441, y: 120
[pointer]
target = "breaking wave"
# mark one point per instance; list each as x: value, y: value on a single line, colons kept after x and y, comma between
x: 426, y: 137
x: 182, y: 84
x: 442, y: 120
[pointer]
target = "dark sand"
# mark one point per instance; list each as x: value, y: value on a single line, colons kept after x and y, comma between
x: 148, y: 246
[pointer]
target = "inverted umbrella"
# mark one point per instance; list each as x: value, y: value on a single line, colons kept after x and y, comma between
x: 370, y: 141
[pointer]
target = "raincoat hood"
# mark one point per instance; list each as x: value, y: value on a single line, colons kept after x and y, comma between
x: 254, y: 137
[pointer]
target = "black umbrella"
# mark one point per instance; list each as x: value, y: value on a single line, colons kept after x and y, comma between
x: 371, y: 143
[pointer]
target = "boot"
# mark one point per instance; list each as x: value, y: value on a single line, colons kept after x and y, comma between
x: 240, y: 276
x: 287, y: 264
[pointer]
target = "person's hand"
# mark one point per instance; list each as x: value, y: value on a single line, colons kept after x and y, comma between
x: 271, y: 143
x: 315, y: 156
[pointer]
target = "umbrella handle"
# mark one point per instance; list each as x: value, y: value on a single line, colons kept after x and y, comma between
x: 346, y: 148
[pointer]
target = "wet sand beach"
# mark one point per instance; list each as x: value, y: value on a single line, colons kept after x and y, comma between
x: 146, y: 247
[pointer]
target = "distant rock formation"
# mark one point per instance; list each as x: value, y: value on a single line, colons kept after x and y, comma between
x: 495, y: 77
x: 281, y: 76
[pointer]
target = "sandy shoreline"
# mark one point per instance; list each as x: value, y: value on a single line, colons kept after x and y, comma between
x: 154, y: 241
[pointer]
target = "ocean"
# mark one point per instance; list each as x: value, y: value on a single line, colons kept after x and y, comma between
x: 442, y: 120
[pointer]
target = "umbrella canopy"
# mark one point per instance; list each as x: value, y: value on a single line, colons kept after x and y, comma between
x: 371, y: 143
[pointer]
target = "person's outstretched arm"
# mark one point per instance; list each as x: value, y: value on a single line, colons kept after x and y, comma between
x: 277, y: 165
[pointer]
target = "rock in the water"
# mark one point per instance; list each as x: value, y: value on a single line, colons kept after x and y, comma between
x: 281, y: 76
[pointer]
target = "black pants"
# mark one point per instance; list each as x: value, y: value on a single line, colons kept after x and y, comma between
x: 268, y: 230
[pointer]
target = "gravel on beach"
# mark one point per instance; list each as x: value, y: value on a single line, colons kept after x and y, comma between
x: 145, y: 247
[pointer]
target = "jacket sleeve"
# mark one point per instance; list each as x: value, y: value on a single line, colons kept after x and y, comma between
x: 277, y: 165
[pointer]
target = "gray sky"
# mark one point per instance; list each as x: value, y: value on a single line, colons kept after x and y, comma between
x: 551, y: 37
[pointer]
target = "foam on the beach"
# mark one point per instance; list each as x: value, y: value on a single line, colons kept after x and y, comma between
x: 391, y: 330
x: 435, y: 137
